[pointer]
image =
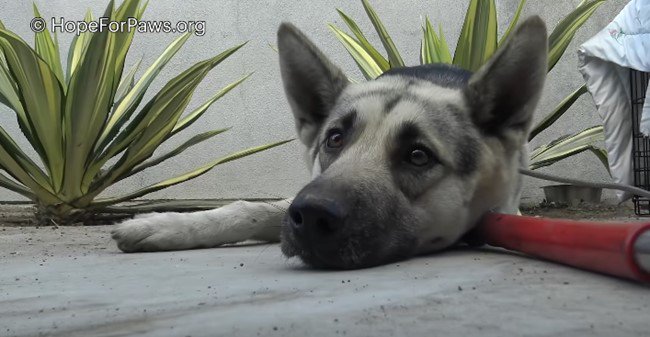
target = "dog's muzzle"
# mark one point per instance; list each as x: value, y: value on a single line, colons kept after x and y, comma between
x: 343, y: 225
x: 317, y: 219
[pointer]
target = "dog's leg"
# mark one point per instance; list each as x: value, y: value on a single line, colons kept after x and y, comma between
x: 512, y: 204
x: 236, y: 222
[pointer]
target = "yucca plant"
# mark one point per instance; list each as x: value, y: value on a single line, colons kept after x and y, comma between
x: 85, y: 123
x: 478, y: 40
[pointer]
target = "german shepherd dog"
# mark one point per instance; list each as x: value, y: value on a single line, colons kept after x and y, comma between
x: 402, y: 165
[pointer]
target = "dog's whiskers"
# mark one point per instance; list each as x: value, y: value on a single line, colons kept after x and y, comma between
x: 280, y: 208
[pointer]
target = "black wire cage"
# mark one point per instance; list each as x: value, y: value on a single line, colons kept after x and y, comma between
x: 640, y: 143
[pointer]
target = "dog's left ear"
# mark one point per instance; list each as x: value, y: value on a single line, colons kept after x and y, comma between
x: 504, y: 92
x: 312, y: 83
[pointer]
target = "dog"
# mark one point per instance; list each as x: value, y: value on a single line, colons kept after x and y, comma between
x: 402, y: 165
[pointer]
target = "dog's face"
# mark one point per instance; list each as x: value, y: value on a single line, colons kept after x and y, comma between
x: 407, y: 163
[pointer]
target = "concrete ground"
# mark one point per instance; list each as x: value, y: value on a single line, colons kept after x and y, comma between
x: 73, y: 281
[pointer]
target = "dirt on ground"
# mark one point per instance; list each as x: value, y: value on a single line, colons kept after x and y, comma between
x: 17, y: 221
x: 598, y: 212
x: 73, y: 281
x: 20, y: 214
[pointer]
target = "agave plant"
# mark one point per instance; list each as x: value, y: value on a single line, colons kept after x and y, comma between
x: 478, y: 40
x: 85, y: 124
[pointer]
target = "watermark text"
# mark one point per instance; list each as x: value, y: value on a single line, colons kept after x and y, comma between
x: 103, y: 24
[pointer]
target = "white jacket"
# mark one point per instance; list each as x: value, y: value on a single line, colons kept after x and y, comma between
x: 604, y: 61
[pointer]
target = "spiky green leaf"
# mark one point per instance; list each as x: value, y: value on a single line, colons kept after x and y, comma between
x: 78, y: 47
x: 566, y: 146
x: 127, y: 10
x: 187, y: 176
x: 42, y: 97
x: 48, y: 49
x: 128, y: 105
x: 557, y: 112
x: 601, y: 154
x: 564, y: 32
x: 369, y: 68
x: 8, y: 90
x: 126, y: 83
x: 178, y: 150
x: 20, y: 166
x: 16, y: 187
x: 88, y: 103
x: 379, y: 59
x: 9, y: 96
x: 513, y: 22
x: 198, y: 112
x: 478, y: 37
x: 192, y: 205
x: 394, y: 57
x: 155, y: 121
x: 443, y: 47
x: 434, y: 48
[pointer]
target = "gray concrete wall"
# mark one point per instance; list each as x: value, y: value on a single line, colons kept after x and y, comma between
x: 257, y: 110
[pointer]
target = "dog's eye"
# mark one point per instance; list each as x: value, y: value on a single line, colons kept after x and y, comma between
x: 419, y: 156
x: 335, y: 139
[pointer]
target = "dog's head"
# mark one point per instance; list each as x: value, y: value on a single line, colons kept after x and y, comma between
x: 406, y: 163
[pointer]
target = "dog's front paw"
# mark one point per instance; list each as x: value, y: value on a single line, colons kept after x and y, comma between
x: 152, y: 232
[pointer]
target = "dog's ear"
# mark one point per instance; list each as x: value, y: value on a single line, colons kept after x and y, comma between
x: 504, y: 92
x: 311, y: 82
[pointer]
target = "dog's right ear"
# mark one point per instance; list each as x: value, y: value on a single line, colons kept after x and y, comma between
x: 311, y: 82
x: 504, y: 92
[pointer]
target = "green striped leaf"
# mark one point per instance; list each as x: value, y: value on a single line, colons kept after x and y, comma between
x: 48, y: 49
x: 557, y: 112
x: 513, y: 22
x: 8, y: 90
x: 198, y: 112
x: 369, y: 68
x: 78, y: 122
x: 191, y: 205
x: 180, y: 149
x: 434, y: 49
x: 123, y: 38
x: 143, y: 8
x: 129, y: 103
x: 16, y: 187
x: 361, y: 39
x: 566, y: 146
x: 88, y: 102
x: 601, y: 154
x: 20, y: 166
x: 478, y: 37
x: 394, y: 57
x: 78, y: 47
x: 127, y: 82
x: 564, y: 32
x: 187, y: 176
x: 443, y: 47
x: 9, y: 96
x: 166, y: 110
x: 42, y: 97
x: 154, y: 122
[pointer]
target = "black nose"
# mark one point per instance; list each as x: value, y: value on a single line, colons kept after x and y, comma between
x: 318, y: 216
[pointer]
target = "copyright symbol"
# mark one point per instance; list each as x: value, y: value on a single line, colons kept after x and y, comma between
x: 37, y: 25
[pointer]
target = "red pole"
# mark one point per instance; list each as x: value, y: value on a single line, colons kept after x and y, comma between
x: 597, y: 246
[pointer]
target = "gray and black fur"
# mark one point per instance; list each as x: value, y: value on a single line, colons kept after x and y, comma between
x: 407, y: 163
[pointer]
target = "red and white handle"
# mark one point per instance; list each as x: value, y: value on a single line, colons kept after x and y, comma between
x: 619, y: 249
